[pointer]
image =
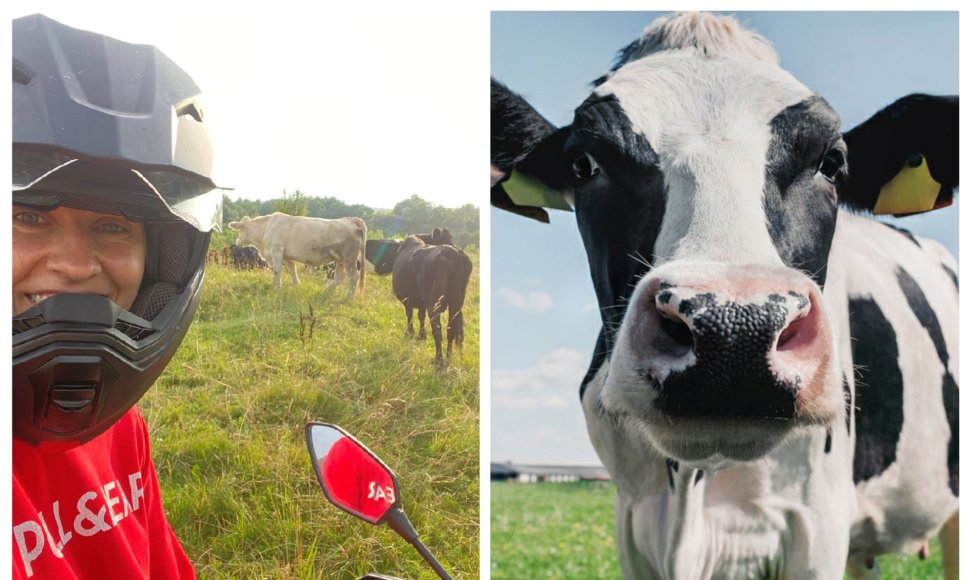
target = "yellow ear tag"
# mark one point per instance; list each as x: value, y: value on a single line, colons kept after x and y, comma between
x: 527, y: 190
x: 913, y: 190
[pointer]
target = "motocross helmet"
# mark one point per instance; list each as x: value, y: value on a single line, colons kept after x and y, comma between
x: 108, y: 126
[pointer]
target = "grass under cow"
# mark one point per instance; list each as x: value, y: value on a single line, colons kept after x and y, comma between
x: 565, y: 530
x: 227, y: 420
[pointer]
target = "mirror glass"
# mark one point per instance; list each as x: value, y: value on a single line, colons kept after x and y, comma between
x: 352, y: 477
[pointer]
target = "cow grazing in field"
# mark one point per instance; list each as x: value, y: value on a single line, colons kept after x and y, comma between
x: 774, y: 388
x: 430, y: 278
x: 245, y: 257
x: 285, y: 239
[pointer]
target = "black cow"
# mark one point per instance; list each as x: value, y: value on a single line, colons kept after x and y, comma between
x: 430, y: 278
x: 246, y: 257
x: 774, y: 387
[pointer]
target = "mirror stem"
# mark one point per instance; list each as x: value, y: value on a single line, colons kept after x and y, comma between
x: 399, y: 522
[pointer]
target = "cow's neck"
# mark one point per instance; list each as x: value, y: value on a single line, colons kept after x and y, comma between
x: 748, y: 520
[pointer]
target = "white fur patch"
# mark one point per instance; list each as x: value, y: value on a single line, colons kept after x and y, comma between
x: 708, y: 120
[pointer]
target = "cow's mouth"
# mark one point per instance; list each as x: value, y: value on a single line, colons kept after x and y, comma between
x: 705, y: 441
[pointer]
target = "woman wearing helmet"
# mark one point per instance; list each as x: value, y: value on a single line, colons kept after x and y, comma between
x: 113, y: 206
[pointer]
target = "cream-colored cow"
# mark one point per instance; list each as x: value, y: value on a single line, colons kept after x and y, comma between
x: 285, y: 239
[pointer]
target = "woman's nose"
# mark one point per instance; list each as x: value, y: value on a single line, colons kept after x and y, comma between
x: 72, y: 253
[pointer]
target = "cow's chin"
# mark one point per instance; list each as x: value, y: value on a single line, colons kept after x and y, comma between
x: 705, y: 442
x: 709, y: 443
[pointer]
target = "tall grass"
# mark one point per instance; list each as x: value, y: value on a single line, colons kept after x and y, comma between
x: 565, y: 530
x: 227, y: 423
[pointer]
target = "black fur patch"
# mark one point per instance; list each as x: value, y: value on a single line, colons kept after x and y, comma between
x: 879, y: 389
x: 927, y: 317
x: 951, y: 403
x: 909, y: 235
x: 953, y: 276
x: 801, y: 215
x: 618, y: 211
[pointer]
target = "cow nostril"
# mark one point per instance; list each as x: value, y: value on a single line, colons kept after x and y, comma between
x: 677, y: 330
x: 790, y: 333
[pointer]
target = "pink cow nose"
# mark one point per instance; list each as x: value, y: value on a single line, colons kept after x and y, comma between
x: 738, y: 353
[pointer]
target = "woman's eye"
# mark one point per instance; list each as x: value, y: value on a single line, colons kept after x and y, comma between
x: 832, y: 163
x: 112, y: 228
x: 29, y: 218
x: 585, y: 167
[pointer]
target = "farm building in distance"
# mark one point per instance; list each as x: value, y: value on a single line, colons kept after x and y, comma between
x: 532, y: 473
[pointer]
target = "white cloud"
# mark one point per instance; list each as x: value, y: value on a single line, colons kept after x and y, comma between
x: 535, y: 301
x: 552, y: 383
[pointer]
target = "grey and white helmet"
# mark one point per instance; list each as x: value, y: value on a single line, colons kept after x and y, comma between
x: 104, y: 125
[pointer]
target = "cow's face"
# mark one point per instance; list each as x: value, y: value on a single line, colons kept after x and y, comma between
x: 382, y: 254
x: 705, y: 193
x: 242, y: 227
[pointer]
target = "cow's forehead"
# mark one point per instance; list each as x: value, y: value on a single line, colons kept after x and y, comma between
x: 671, y: 95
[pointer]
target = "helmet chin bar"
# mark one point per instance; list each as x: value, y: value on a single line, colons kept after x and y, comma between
x: 80, y: 362
x: 69, y: 395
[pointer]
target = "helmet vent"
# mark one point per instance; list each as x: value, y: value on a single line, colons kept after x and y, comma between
x: 189, y: 110
x: 22, y: 74
x: 25, y: 324
x: 132, y: 331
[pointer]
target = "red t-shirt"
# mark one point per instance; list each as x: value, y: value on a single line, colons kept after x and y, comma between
x: 94, y: 511
x: 357, y: 481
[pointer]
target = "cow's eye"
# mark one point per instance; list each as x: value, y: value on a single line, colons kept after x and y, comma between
x: 832, y: 163
x: 585, y: 167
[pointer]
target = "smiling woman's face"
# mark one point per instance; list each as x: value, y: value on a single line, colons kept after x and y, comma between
x: 70, y: 250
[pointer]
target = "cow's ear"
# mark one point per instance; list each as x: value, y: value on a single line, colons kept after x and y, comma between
x: 905, y: 158
x: 232, y: 225
x: 526, y: 165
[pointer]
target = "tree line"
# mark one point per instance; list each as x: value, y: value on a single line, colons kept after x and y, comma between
x: 410, y: 216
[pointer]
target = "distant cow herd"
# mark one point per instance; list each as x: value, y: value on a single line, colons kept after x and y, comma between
x: 428, y: 273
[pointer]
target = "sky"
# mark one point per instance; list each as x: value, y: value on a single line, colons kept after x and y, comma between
x: 544, y: 314
x: 364, y: 106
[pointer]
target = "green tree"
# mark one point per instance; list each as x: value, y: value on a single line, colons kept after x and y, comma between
x: 292, y: 203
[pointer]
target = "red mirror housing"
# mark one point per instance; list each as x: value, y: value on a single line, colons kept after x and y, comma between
x: 351, y: 476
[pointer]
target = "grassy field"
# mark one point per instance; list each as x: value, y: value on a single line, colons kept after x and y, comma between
x: 227, y: 423
x: 552, y: 530
x: 565, y: 530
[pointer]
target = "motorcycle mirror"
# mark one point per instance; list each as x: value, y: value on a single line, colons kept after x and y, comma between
x: 356, y: 481
x: 352, y: 477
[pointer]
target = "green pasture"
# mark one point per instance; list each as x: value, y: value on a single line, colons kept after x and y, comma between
x: 227, y: 421
x: 565, y: 530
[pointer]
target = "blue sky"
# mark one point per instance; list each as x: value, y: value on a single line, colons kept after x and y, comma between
x: 543, y: 311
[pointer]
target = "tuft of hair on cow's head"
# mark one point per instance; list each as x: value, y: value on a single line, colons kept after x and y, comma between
x: 705, y: 34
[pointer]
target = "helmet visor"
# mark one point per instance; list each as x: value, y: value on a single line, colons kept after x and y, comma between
x: 49, y: 179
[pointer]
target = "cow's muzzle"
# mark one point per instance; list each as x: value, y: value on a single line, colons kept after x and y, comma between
x: 739, y: 345
x: 741, y: 352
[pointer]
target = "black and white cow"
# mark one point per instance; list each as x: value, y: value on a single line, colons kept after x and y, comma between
x: 774, y: 388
